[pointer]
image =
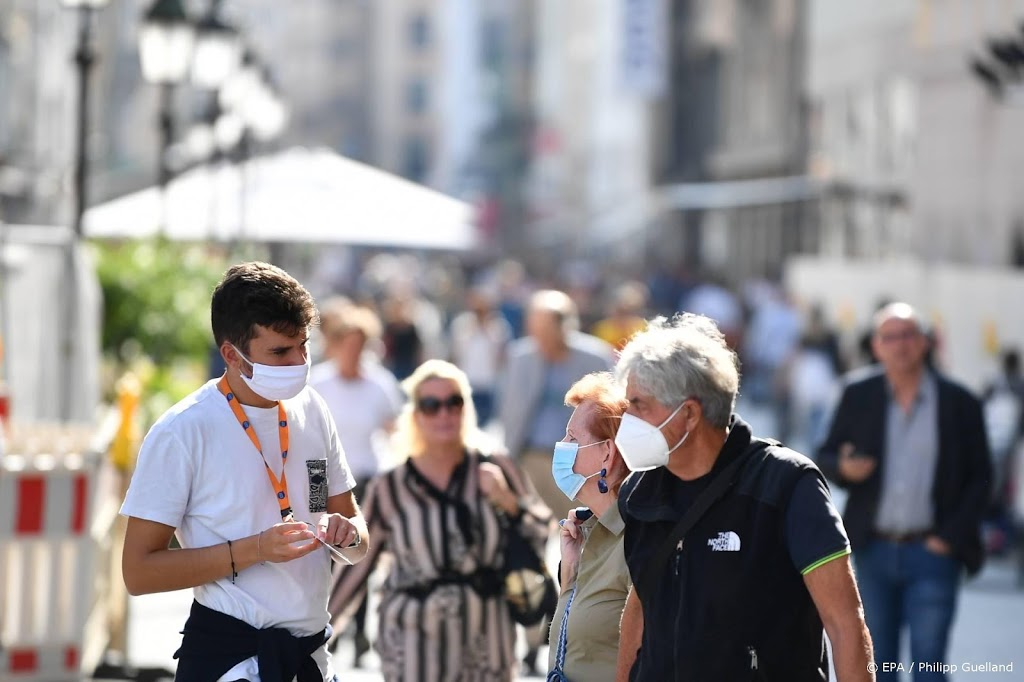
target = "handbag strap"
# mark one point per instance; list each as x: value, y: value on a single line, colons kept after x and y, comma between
x: 715, y: 490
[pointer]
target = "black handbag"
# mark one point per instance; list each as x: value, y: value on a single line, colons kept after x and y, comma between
x: 530, y: 590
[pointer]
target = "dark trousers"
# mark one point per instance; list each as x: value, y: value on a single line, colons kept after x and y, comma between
x: 483, y: 403
x: 906, y: 584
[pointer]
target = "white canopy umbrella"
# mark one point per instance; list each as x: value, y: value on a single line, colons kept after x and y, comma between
x: 301, y: 195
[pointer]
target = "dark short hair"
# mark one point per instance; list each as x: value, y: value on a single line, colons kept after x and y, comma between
x: 262, y: 294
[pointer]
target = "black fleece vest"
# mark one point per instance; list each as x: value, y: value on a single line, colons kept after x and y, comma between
x: 729, y: 605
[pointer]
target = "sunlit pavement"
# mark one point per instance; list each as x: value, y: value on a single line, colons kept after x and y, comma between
x: 989, y: 629
x: 155, y: 622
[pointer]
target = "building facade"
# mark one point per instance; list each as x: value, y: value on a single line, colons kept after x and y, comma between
x: 599, y: 66
x: 916, y: 156
x: 734, y: 112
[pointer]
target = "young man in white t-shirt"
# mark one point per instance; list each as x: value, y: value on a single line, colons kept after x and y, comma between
x: 249, y: 474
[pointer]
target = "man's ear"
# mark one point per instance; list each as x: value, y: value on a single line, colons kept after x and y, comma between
x: 230, y: 356
x: 692, y: 413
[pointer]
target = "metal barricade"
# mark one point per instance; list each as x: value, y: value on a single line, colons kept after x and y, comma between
x: 56, y: 511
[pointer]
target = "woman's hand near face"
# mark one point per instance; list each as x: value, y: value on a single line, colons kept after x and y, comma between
x: 570, y: 540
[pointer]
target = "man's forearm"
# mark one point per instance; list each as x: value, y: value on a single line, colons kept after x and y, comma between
x: 167, y: 570
x: 851, y: 649
x: 631, y: 633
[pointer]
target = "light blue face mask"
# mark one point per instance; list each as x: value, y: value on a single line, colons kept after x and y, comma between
x: 567, y: 480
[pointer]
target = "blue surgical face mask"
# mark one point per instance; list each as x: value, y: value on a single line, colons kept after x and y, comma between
x: 567, y: 480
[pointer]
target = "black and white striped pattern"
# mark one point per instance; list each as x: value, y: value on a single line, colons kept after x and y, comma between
x: 454, y: 633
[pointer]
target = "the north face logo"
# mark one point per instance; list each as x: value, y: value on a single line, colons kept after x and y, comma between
x: 725, y: 542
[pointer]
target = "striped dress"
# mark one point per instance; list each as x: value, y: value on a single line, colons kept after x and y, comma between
x: 449, y: 632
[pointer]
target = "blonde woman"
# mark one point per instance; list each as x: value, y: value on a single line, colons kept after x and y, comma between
x: 441, y: 515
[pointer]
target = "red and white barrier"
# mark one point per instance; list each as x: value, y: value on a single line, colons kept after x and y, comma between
x: 50, y: 537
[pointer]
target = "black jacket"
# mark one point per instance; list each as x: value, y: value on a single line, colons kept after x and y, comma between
x: 962, y: 478
x: 712, y: 615
x: 215, y: 642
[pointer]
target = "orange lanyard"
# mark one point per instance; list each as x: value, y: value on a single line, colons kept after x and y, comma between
x: 280, y: 487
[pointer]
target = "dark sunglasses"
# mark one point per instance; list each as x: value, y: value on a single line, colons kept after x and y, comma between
x: 431, y: 405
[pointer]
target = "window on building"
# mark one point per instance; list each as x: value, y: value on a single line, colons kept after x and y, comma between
x: 416, y: 159
x: 416, y: 96
x: 419, y: 31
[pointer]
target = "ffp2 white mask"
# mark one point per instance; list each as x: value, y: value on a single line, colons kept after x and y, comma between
x: 642, y: 444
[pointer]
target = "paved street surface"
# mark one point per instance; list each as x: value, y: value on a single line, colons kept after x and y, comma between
x: 989, y: 629
x: 156, y: 620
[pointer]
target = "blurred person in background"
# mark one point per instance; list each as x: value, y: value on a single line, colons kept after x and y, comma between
x: 625, y: 315
x: 251, y: 521
x: 909, y: 445
x: 531, y: 403
x: 403, y: 347
x: 442, y: 517
x: 668, y: 285
x: 580, y: 279
x: 479, y: 338
x: 770, y: 340
x: 541, y: 368
x: 812, y: 375
x: 765, y: 561
x: 512, y: 293
x: 593, y: 575
x: 364, y: 400
x: 711, y: 297
x: 1003, y: 406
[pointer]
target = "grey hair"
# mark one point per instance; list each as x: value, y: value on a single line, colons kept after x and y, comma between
x: 558, y: 304
x: 685, y: 357
x: 899, y: 311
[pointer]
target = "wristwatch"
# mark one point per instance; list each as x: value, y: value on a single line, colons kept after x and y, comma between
x: 355, y: 543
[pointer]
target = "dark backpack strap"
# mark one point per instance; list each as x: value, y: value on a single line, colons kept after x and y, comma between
x: 719, y: 485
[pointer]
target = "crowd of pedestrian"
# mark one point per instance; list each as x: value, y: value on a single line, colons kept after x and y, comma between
x: 452, y: 418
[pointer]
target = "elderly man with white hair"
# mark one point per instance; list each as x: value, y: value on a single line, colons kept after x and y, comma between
x: 737, y: 554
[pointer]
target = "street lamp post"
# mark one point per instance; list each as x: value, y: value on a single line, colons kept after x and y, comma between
x: 84, y: 58
x: 218, y: 50
x: 165, y: 50
x: 251, y: 111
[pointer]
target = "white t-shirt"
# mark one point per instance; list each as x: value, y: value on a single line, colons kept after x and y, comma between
x: 361, y: 409
x: 199, y: 473
x: 477, y: 348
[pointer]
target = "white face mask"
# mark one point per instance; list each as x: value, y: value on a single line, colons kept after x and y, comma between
x: 273, y: 382
x: 642, y: 445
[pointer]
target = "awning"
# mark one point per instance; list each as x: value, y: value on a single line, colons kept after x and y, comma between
x: 299, y: 195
